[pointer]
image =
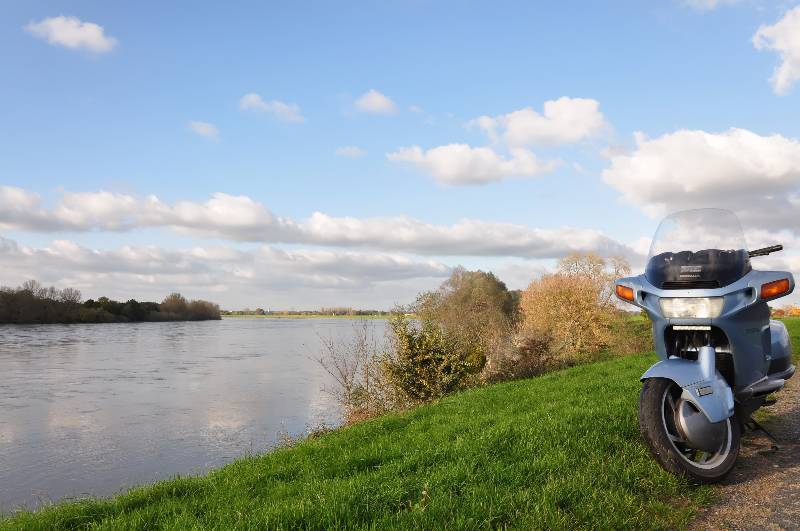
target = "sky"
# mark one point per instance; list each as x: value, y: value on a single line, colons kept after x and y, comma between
x: 308, y: 154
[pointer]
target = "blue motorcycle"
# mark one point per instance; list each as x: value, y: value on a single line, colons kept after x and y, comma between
x: 720, y: 354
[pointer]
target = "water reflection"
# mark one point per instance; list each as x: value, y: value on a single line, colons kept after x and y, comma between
x: 93, y: 409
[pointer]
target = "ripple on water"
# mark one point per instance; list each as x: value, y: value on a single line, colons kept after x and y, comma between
x: 92, y: 409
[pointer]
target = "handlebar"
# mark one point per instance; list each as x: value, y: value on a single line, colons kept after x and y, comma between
x: 764, y: 251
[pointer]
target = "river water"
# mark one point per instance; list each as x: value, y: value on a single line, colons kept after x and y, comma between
x: 95, y: 409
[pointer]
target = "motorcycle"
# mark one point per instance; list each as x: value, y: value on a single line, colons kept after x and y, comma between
x: 721, y: 357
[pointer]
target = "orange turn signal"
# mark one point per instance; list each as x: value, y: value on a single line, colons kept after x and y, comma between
x: 625, y: 293
x: 774, y: 289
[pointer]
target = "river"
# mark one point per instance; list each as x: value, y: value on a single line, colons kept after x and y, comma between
x: 96, y: 409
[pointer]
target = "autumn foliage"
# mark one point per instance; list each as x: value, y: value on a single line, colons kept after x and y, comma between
x: 786, y: 311
x: 473, y: 330
x: 573, y: 309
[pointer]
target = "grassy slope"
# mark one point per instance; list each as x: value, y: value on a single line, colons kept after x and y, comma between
x: 793, y: 325
x: 562, y: 450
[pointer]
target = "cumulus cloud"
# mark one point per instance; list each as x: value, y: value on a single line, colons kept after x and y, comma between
x: 784, y: 38
x: 756, y: 176
x: 374, y: 102
x: 151, y: 269
x: 227, y: 216
x: 351, y: 152
x: 205, y: 129
x: 71, y: 32
x: 563, y: 121
x: 461, y: 164
x: 288, y: 112
x: 240, y: 218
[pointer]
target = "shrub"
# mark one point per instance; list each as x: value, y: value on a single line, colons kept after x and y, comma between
x: 473, y: 330
x: 524, y: 356
x: 420, y: 362
x: 476, y: 309
x: 573, y: 308
x: 362, y: 389
x: 95, y: 315
x: 174, y: 303
x: 200, y: 310
x: 428, y: 361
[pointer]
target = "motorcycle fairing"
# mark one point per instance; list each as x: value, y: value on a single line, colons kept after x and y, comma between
x: 744, y: 319
x: 755, y: 341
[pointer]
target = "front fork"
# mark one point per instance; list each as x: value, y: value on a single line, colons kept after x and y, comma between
x: 701, y: 383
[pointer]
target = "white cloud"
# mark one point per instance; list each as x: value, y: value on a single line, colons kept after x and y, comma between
x: 467, y: 237
x: 461, y: 164
x: 152, y: 271
x: 71, y: 32
x: 563, y: 121
x: 240, y: 218
x: 288, y: 112
x: 352, y: 152
x: 204, y: 129
x: 756, y: 176
x: 784, y: 38
x: 709, y: 5
x: 226, y: 216
x: 374, y: 102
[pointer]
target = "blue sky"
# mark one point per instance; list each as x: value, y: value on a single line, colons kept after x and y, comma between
x: 86, y: 113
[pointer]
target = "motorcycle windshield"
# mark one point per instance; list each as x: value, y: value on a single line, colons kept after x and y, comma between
x: 698, y: 249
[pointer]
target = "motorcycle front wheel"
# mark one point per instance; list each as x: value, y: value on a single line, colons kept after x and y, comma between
x: 658, y: 403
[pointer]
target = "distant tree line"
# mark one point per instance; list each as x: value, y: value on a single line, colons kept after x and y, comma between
x: 33, y: 303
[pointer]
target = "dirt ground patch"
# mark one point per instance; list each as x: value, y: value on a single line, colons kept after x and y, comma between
x: 763, y: 491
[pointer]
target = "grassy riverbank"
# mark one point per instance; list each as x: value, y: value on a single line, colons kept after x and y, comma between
x: 558, y: 451
x: 561, y: 450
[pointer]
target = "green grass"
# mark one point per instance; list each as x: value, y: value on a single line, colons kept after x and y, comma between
x: 558, y: 451
x: 793, y: 326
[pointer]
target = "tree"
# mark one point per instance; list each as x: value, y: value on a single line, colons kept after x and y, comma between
x: 200, y: 310
x: 475, y: 307
x: 33, y: 287
x: 573, y: 308
x: 70, y: 296
x: 174, y: 303
x: 134, y: 311
x: 34, y: 303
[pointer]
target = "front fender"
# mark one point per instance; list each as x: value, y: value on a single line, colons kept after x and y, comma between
x: 702, y: 384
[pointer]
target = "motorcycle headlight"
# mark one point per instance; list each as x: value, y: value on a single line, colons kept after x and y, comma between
x: 691, y: 307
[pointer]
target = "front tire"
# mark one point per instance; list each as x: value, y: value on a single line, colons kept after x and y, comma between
x: 657, y: 403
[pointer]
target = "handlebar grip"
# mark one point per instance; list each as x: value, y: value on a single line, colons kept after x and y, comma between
x: 765, y: 250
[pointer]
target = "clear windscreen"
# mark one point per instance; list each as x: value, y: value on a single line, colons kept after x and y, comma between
x: 698, y: 230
